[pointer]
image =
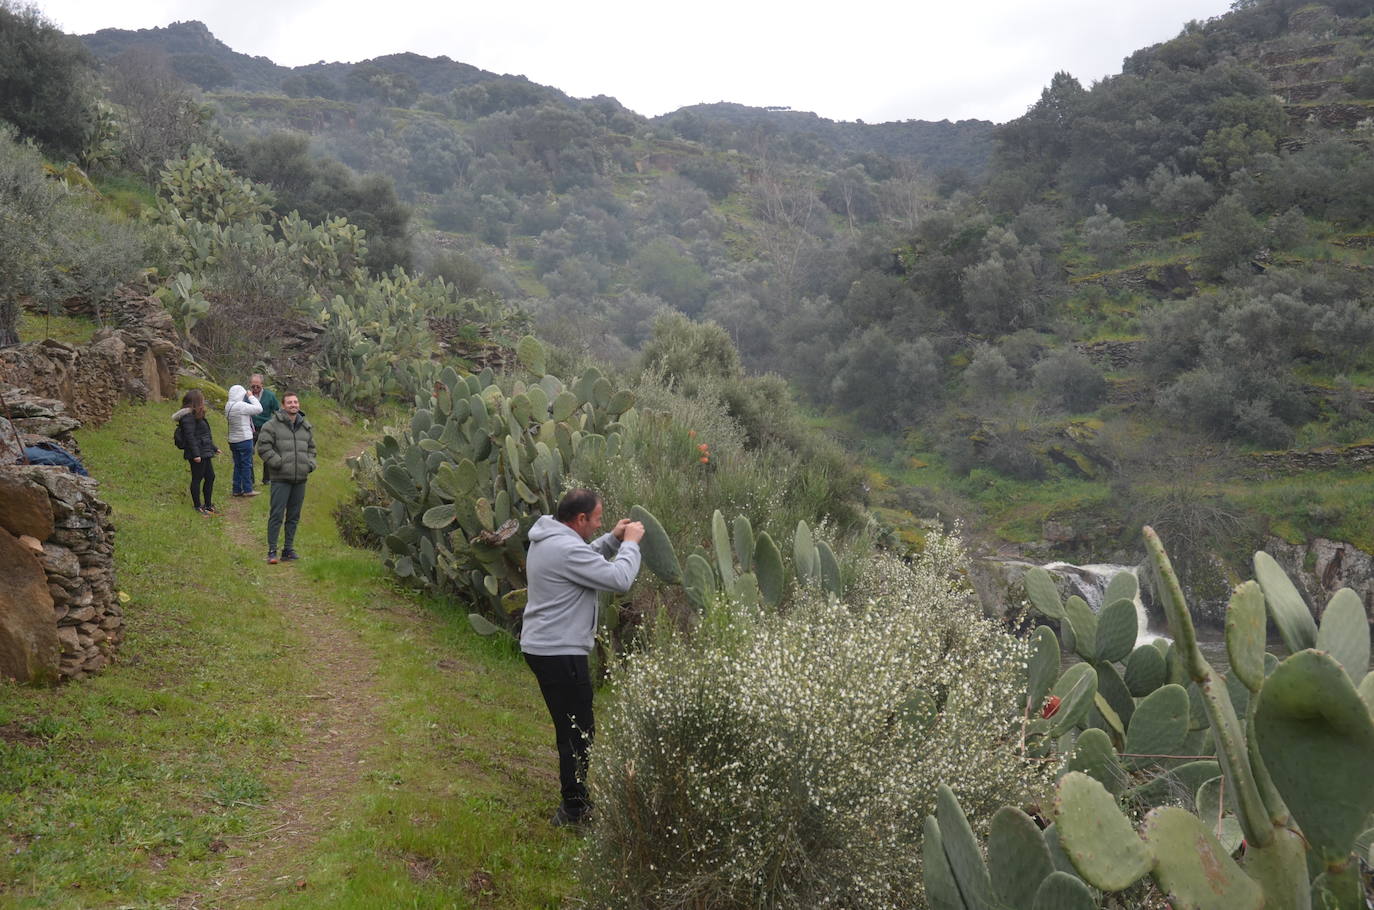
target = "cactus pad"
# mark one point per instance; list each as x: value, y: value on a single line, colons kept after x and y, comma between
x: 699, y: 581
x: 1043, y: 594
x: 1062, y: 891
x: 1245, y: 635
x: 1018, y: 859
x: 1159, y: 725
x: 1117, y: 629
x: 1123, y: 586
x: 1083, y: 621
x: 1145, y: 670
x: 1344, y: 633
x: 768, y: 569
x: 1075, y: 689
x: 942, y: 892
x: 1316, y: 737
x: 656, y: 547
x: 1042, y: 667
x: 482, y: 626
x: 720, y: 543
x: 961, y: 848
x: 1094, y: 756
x: 1286, y: 606
x: 1097, y: 837
x: 1193, y: 868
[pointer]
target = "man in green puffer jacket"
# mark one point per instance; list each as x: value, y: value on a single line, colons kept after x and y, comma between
x: 286, y: 444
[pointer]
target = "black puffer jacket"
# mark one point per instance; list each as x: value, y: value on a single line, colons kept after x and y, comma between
x: 196, y: 432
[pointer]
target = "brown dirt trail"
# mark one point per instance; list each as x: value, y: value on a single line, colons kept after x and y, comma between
x: 339, y: 718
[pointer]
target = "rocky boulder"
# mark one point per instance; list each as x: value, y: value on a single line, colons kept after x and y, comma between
x: 29, y: 647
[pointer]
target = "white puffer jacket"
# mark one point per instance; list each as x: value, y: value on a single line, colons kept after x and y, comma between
x: 239, y: 411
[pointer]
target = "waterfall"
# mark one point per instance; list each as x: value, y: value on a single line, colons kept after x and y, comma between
x: 1090, y: 583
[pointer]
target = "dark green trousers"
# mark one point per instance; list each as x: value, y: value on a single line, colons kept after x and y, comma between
x: 286, y: 505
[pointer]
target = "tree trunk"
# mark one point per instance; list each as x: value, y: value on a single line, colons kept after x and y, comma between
x: 9, y: 322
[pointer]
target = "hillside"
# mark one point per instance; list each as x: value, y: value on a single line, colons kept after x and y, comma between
x: 296, y: 735
x: 1026, y: 328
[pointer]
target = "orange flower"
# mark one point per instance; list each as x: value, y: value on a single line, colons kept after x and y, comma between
x: 691, y: 434
x: 702, y: 448
x: 704, y: 459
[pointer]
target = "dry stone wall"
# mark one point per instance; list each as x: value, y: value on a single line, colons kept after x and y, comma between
x: 60, y: 611
x: 135, y: 357
x: 62, y: 619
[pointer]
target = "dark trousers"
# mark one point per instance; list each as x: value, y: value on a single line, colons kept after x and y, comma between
x: 286, y: 504
x: 203, y: 479
x: 566, y: 684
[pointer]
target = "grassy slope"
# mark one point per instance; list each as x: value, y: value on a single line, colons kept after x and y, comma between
x: 165, y: 776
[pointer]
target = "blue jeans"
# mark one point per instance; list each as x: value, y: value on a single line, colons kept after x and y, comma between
x: 243, y: 466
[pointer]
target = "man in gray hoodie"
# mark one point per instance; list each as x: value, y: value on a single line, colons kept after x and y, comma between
x: 566, y: 568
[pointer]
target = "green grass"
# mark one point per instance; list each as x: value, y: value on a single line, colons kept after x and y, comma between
x: 38, y: 327
x: 144, y: 784
x: 1338, y: 505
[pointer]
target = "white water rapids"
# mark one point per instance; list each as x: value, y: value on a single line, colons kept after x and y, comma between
x: 1090, y: 583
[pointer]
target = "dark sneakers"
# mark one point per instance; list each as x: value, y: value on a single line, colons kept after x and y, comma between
x: 271, y: 557
x: 290, y: 554
x: 565, y: 819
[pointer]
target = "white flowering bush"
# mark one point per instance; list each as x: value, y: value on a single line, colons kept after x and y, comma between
x: 789, y: 760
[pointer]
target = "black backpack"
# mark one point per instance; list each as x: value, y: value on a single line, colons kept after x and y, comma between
x: 179, y: 436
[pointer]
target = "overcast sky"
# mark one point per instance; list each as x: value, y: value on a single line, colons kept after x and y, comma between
x: 874, y: 60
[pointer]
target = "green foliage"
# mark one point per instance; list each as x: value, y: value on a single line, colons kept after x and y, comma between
x: 718, y: 742
x: 1230, y: 235
x: 1069, y: 381
x: 186, y: 304
x: 54, y: 245
x: 321, y: 189
x: 1298, y: 757
x: 47, y: 89
x: 478, y: 465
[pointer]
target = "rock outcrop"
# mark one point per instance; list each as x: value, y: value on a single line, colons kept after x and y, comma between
x: 1322, y: 567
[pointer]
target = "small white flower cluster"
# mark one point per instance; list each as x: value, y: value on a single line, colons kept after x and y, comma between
x: 774, y: 760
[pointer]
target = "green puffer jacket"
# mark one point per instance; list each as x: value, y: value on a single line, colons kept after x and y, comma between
x: 289, y: 451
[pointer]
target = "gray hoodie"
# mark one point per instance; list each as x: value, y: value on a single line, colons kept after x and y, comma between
x: 564, y: 575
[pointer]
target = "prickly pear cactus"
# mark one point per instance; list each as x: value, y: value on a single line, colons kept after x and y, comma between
x: 477, y: 465
x: 1293, y: 775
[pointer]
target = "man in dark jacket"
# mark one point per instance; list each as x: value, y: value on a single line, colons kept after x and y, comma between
x: 270, y: 405
x: 286, y: 444
x: 567, y: 565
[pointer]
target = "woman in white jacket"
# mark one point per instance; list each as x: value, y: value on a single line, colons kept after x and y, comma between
x: 239, y: 411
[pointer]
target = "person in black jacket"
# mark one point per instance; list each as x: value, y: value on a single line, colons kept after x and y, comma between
x: 199, y: 449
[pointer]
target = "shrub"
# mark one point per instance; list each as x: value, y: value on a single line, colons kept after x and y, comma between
x: 53, y: 244
x: 1104, y: 235
x: 988, y: 375
x: 788, y: 761
x: 1230, y: 235
x: 1068, y: 380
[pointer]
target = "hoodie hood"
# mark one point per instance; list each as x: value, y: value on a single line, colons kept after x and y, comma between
x: 547, y: 526
x: 237, y: 393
